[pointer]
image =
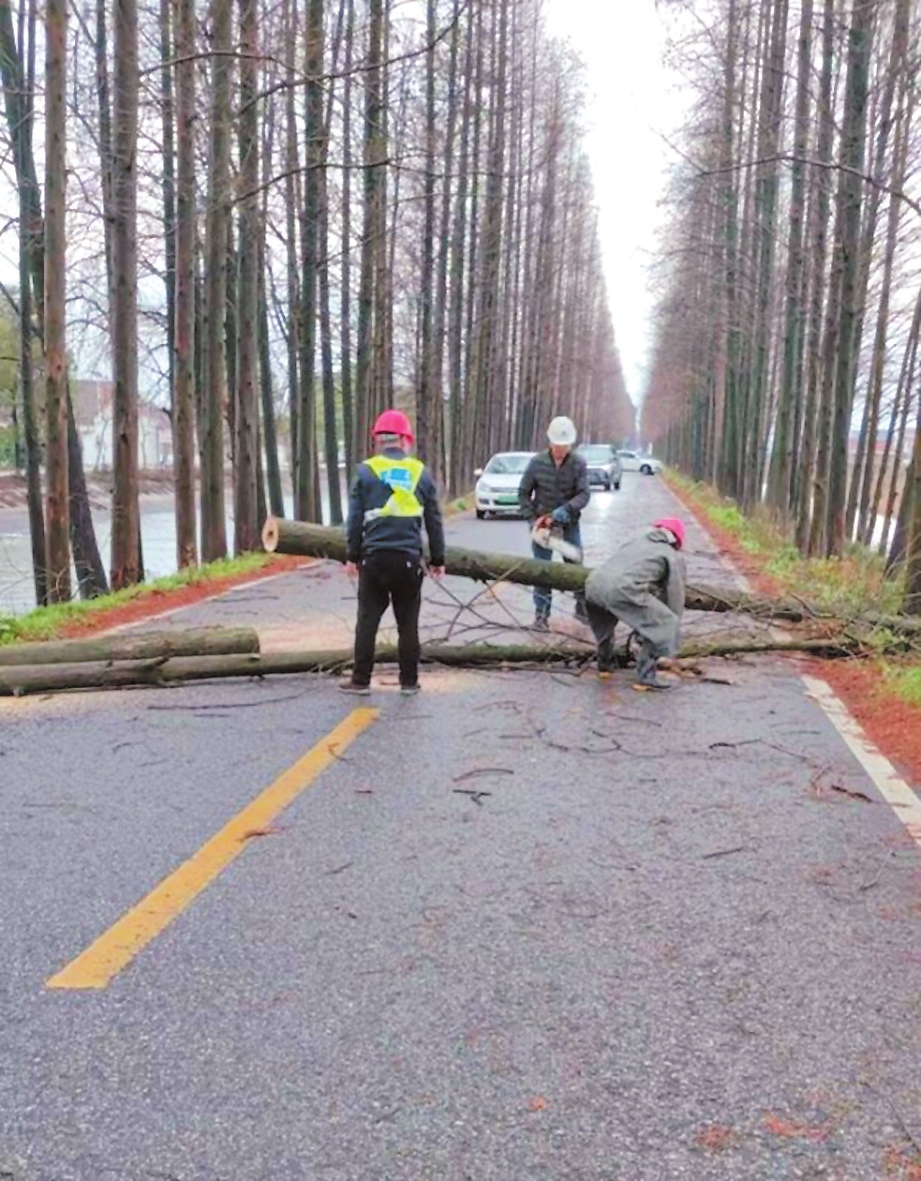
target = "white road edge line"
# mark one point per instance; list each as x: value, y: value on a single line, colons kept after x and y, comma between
x: 891, y: 786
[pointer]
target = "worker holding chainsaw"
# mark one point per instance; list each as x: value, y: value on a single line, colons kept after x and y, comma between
x: 642, y: 584
x: 391, y: 495
x: 554, y: 490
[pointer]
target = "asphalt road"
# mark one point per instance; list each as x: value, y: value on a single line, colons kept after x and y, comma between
x: 526, y: 926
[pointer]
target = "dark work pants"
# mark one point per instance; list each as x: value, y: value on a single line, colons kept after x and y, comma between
x: 542, y: 596
x: 388, y: 577
x: 603, y: 623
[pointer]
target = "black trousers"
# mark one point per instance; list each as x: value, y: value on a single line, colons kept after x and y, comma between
x: 388, y: 577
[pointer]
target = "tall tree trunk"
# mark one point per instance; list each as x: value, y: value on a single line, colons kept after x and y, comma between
x: 292, y: 166
x: 184, y: 334
x: 246, y: 522
x: 308, y: 508
x: 126, y: 522
x: 58, y: 506
x: 330, y: 425
x: 269, y: 425
x: 17, y: 93
x: 491, y: 248
x: 169, y: 190
x: 269, y: 430
x: 345, y: 289
x: 230, y: 338
x: 383, y: 271
x: 781, y: 480
x: 371, y: 226
x: 441, y: 286
x: 853, y: 139
x: 330, y: 415
x: 214, y: 530
x: 818, y: 248
x: 456, y: 295
x: 770, y: 115
x: 427, y: 397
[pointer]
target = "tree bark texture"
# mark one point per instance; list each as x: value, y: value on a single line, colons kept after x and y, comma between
x: 55, y: 288
x: 126, y: 522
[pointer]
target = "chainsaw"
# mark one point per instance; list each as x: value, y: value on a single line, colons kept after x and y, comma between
x: 551, y: 538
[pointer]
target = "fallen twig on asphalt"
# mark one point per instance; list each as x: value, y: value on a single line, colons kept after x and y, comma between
x: 476, y: 796
x: 482, y: 771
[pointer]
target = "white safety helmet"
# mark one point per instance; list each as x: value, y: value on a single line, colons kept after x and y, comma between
x: 562, y: 432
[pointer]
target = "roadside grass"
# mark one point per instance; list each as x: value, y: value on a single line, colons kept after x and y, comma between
x: 904, y: 680
x: 855, y: 584
x: 45, y: 623
x: 851, y: 585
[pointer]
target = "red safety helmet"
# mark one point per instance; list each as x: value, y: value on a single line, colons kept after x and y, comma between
x: 393, y: 422
x: 673, y: 525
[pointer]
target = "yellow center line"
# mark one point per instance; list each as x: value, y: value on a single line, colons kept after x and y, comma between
x: 113, y: 950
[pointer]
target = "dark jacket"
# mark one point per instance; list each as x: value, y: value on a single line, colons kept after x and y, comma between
x: 545, y: 487
x: 642, y: 583
x: 403, y: 534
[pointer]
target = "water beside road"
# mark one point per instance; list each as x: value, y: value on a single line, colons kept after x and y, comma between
x: 158, y: 538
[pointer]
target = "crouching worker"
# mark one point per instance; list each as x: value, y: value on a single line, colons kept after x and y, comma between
x: 390, y: 497
x: 642, y: 583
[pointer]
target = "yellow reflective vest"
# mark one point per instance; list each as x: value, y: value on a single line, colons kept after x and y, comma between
x: 402, y: 477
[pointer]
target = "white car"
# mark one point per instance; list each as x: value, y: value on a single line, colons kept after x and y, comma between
x: 498, y: 483
x: 646, y: 465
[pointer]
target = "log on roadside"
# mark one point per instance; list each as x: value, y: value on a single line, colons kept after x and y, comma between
x: 324, y: 541
x: 152, y: 645
x: 50, y: 678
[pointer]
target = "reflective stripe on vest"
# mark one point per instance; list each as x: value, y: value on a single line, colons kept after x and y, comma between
x: 402, y: 477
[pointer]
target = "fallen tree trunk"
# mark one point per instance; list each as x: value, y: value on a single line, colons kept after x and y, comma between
x: 133, y: 646
x: 323, y: 541
x: 49, y: 678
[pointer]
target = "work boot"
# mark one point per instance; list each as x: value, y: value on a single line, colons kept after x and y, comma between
x: 605, y: 657
x: 350, y: 686
x: 647, y: 672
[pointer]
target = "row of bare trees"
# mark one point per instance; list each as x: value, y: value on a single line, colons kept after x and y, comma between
x: 786, y: 359
x: 281, y: 216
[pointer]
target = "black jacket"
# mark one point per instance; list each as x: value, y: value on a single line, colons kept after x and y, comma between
x: 403, y: 534
x: 545, y: 487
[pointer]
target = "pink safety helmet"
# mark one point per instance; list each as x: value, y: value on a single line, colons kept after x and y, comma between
x: 673, y: 525
x: 393, y: 422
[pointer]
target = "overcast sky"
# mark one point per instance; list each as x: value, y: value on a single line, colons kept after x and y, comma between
x: 634, y: 101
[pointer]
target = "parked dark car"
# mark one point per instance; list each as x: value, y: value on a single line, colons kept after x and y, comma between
x: 603, y: 464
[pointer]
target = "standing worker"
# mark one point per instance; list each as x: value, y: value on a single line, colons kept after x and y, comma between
x: 642, y: 583
x: 554, y: 491
x: 390, y: 495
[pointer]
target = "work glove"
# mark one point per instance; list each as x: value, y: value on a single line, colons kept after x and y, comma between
x: 560, y: 515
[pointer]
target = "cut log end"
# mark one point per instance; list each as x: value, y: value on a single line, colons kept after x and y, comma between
x: 270, y: 535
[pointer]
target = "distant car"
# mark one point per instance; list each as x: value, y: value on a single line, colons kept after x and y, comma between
x: 603, y: 464
x: 498, y: 483
x: 646, y: 465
